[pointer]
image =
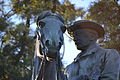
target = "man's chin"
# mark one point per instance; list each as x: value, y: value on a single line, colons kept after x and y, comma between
x: 80, y: 47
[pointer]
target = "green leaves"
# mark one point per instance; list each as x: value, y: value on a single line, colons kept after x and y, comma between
x: 69, y: 12
x: 106, y: 12
x: 3, y: 23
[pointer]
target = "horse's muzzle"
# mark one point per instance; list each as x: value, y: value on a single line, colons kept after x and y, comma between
x: 53, y: 50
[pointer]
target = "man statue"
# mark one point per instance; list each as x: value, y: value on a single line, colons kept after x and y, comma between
x: 93, y: 62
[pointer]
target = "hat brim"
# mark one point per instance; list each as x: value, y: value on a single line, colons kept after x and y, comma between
x: 85, y: 24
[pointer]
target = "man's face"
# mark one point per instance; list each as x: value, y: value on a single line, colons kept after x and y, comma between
x: 82, y: 39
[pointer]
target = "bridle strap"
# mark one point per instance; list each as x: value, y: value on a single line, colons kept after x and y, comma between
x: 44, y: 59
x: 42, y: 69
x: 44, y: 50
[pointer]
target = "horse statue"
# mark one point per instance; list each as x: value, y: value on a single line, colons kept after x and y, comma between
x: 47, y: 60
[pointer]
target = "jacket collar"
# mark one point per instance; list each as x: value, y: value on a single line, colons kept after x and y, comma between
x: 92, y: 50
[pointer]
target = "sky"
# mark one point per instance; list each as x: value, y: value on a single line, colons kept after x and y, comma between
x: 80, y: 3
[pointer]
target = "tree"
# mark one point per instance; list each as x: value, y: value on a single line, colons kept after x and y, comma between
x: 114, y: 42
x: 17, y: 45
x: 16, y: 54
x: 107, y: 13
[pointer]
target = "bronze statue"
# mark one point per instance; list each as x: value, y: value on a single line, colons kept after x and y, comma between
x: 47, y: 62
x: 94, y: 62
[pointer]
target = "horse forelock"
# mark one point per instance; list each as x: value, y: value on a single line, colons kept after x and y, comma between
x: 45, y: 14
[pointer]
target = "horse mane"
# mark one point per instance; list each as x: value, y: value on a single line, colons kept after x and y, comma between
x: 48, y: 13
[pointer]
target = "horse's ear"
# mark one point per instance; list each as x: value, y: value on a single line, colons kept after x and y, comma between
x: 41, y: 24
x: 43, y: 15
x: 35, y: 37
x: 63, y: 28
x: 60, y: 18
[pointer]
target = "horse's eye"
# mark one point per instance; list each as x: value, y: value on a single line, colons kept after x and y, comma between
x: 41, y: 24
x: 63, y: 28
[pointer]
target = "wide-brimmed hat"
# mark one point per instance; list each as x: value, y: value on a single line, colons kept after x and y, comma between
x: 86, y: 24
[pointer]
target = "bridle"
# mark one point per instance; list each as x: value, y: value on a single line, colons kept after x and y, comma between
x: 44, y: 51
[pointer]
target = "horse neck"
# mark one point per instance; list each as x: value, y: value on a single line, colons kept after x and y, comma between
x: 51, y: 70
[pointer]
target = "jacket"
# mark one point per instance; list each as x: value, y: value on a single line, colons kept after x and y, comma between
x: 96, y: 64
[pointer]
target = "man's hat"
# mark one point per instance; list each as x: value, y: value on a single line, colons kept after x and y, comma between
x: 86, y: 24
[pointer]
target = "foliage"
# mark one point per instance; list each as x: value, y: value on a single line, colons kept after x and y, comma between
x: 16, y: 53
x: 113, y: 44
x: 27, y: 8
x: 31, y: 8
x: 107, y: 13
x: 69, y: 11
x: 17, y: 45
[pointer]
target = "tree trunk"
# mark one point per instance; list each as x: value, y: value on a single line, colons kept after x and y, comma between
x: 54, y: 6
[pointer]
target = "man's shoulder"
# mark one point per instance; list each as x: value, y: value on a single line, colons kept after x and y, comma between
x: 107, y: 51
x: 111, y: 50
x: 71, y: 68
x: 112, y: 53
x: 71, y: 65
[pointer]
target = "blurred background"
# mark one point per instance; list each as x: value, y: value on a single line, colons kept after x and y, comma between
x: 18, y: 25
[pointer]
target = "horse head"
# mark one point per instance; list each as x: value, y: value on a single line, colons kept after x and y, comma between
x: 51, y: 28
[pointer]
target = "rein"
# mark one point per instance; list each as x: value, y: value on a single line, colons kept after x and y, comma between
x: 44, y: 59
